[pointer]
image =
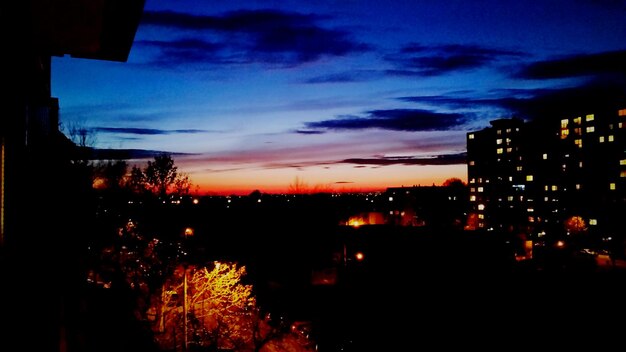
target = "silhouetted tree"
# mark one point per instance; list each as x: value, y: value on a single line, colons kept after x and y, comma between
x: 136, y: 180
x: 160, y: 174
x: 182, y: 184
x: 112, y: 174
x: 453, y: 182
x: 298, y: 186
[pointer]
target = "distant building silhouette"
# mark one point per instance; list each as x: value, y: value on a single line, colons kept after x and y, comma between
x: 432, y: 206
x: 531, y: 177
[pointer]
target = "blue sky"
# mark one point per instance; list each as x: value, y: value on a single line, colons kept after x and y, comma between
x: 344, y: 95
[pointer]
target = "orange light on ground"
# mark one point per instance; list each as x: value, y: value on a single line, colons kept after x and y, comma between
x: 359, y: 256
x: 355, y: 221
x: 189, y: 231
x: 196, y: 201
x: 560, y: 244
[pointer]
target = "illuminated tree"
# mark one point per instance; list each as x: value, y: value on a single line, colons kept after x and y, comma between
x: 221, y: 313
x: 575, y: 225
x: 220, y: 308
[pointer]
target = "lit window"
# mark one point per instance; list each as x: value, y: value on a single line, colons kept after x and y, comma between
x: 593, y: 222
x: 546, y: 199
x: 622, y: 162
x: 508, y: 140
x: 564, y: 123
x: 509, y: 198
x: 610, y: 126
x: 499, y: 141
x: 481, y: 207
x: 622, y: 174
x: 472, y: 189
x: 545, y: 188
x: 508, y: 150
x: 555, y: 188
x: 481, y: 224
x: 622, y: 112
x: 589, y: 117
x: 470, y: 136
x: 529, y: 177
x: 480, y: 189
x: 580, y: 164
x: 577, y: 120
x: 481, y: 216
x: 620, y: 125
x: 601, y: 139
x: 472, y: 198
x: 612, y: 186
x: 519, y: 168
x: 578, y: 186
x: 508, y: 130
x: 499, y: 132
x: 473, y: 180
x: 545, y: 156
x: 564, y: 134
x: 590, y: 129
x: 530, y: 210
x: 579, y: 143
x: 499, y: 150
x: 471, y: 162
x: 480, y: 180
x: 611, y: 138
x: 578, y: 131
x: 510, y: 178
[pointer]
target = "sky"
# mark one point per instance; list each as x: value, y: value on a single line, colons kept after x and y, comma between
x: 339, y: 95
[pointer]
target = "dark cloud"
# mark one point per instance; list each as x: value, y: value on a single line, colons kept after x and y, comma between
x: 265, y: 36
x: 435, y: 60
x: 446, y: 159
x: 592, y: 96
x: 127, y: 154
x: 347, y: 76
x: 185, y: 51
x: 595, y: 95
x: 343, y: 182
x: 394, y: 119
x: 310, y: 132
x: 613, y: 62
x: 143, y: 131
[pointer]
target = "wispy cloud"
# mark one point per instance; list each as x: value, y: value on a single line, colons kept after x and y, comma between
x: 394, y: 119
x: 435, y: 60
x: 251, y: 36
x: 145, y: 131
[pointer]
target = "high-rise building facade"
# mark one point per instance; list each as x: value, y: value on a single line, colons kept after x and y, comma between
x: 551, y: 175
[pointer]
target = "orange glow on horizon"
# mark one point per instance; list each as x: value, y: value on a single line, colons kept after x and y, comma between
x: 338, y: 179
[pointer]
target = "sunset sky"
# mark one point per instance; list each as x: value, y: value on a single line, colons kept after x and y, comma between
x: 344, y: 94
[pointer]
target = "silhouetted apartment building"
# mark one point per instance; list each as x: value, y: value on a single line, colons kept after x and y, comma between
x: 40, y: 198
x: 533, y: 177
